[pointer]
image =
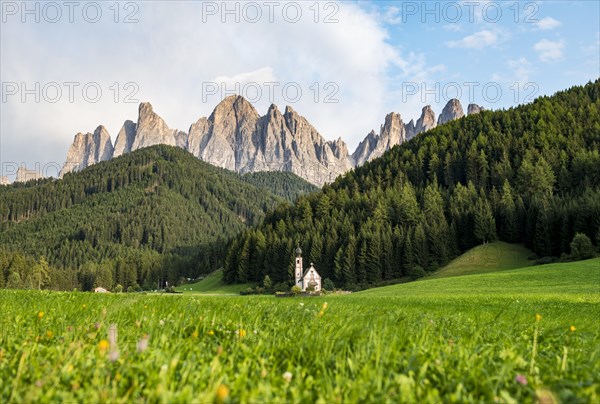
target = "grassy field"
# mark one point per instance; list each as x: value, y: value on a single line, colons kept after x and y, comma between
x: 214, y: 284
x: 512, y: 336
x: 485, y: 258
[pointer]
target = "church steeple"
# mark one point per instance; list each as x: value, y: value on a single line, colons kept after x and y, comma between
x: 298, y: 271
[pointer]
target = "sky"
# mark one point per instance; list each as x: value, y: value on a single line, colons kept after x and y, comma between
x: 67, y: 67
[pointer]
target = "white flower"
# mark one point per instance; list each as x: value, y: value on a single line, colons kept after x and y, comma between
x: 287, y: 376
x: 142, y: 344
x: 113, y: 355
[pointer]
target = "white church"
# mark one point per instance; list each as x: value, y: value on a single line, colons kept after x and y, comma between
x: 308, y: 280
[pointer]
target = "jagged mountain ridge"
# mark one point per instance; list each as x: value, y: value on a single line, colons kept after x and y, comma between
x: 236, y: 137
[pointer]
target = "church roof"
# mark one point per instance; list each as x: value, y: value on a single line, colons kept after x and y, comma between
x: 309, y: 268
x: 298, y: 251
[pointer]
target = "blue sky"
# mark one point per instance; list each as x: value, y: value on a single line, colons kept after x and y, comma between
x: 353, y: 62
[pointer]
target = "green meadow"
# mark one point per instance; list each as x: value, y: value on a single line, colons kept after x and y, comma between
x: 516, y: 335
x: 214, y: 284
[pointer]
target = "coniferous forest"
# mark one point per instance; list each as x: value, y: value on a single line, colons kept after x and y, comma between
x: 530, y: 175
x: 150, y: 217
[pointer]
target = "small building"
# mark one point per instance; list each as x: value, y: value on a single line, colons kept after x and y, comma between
x: 308, y: 280
x: 100, y: 290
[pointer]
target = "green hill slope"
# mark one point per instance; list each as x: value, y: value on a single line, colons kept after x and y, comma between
x: 575, y: 281
x: 490, y: 257
x: 153, y: 215
x: 214, y: 284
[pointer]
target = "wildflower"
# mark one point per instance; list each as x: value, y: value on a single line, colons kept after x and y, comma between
x: 241, y: 333
x: 40, y: 315
x: 142, y: 344
x: 521, y: 379
x: 103, y: 345
x: 322, y: 310
x: 301, y: 304
x: 161, y: 322
x: 83, y: 306
x: 195, y: 334
x: 222, y: 394
x: 113, y: 356
x: 211, y: 332
x: 287, y: 376
x: 97, y: 325
x: 572, y: 328
x: 49, y: 334
x: 538, y: 317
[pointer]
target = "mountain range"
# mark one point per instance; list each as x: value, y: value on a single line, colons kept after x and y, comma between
x: 236, y: 137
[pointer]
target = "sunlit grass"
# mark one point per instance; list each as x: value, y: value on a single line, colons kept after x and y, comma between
x: 463, y: 339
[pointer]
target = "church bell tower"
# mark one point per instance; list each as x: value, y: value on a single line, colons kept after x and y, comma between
x: 298, y: 268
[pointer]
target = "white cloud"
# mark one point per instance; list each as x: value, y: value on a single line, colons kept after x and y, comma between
x: 477, y: 40
x: 548, y: 23
x: 392, y: 15
x: 521, y: 69
x: 452, y: 27
x: 550, y: 51
x: 262, y: 75
x: 170, y: 53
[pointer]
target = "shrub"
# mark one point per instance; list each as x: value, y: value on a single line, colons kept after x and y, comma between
x: 416, y: 272
x: 582, y: 247
x: 267, y: 283
x: 545, y: 260
x: 328, y: 284
x: 281, y: 287
x: 119, y: 288
x: 296, y: 290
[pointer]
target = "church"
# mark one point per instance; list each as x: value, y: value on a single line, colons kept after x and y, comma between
x: 308, y: 280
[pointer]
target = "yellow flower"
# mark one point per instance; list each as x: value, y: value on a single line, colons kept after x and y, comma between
x: 195, y: 334
x: 538, y: 317
x: 40, y: 314
x: 103, y: 345
x: 572, y: 328
x: 222, y: 394
x: 242, y: 333
x: 211, y: 332
x: 84, y: 306
x: 49, y: 334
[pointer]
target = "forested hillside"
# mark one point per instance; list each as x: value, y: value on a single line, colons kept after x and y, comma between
x: 286, y: 185
x: 154, y: 215
x: 529, y: 174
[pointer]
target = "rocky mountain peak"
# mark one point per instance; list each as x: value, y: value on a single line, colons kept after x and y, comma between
x: 24, y: 175
x: 453, y: 110
x: 151, y: 129
x: 474, y: 109
x: 125, y: 138
x: 426, y: 121
x: 236, y: 137
x: 88, y: 149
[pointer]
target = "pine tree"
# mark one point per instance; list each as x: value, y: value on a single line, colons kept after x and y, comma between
x: 485, y: 225
x: 508, y: 215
